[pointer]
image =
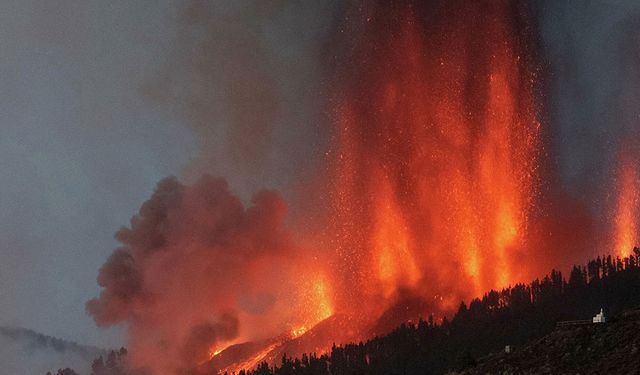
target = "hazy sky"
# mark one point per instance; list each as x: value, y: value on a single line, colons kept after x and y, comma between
x: 101, y: 99
x: 80, y: 148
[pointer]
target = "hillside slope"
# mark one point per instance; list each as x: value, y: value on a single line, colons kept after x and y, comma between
x: 23, y: 351
x: 610, y: 348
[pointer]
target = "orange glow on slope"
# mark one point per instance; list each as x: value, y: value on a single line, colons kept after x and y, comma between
x: 628, y: 209
x: 436, y: 158
x: 297, y: 332
x: 214, y: 352
x: 250, y: 363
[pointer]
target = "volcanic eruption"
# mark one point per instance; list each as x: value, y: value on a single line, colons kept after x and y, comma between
x: 437, y: 186
x: 198, y: 270
x: 437, y: 150
x: 626, y: 213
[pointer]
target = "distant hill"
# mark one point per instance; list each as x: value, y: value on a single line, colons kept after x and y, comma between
x: 610, y: 348
x: 23, y: 351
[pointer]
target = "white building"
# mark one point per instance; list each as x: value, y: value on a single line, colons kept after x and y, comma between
x: 599, y: 318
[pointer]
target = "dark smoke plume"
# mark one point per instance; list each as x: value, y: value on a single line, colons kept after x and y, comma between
x: 203, y: 336
x: 247, y: 77
x: 593, y: 51
x: 188, y: 271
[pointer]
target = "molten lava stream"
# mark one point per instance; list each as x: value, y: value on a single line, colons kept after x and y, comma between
x: 213, y: 351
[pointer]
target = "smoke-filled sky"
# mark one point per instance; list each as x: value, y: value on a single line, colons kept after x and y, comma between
x: 101, y: 100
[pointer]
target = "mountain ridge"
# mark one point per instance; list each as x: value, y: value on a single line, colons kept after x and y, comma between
x: 25, y: 351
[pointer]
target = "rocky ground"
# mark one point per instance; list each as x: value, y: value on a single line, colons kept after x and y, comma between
x: 610, y: 348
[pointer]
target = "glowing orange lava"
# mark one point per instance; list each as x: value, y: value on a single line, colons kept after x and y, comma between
x: 250, y: 363
x: 297, y: 332
x: 214, y: 352
x: 626, y: 229
x: 437, y: 155
x: 432, y: 174
x: 316, y: 301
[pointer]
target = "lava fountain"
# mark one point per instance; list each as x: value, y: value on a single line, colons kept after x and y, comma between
x: 626, y: 231
x: 433, y: 176
x: 437, y: 142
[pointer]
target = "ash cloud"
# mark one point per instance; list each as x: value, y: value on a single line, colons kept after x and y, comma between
x: 193, y: 259
x: 592, y: 93
x: 593, y: 52
x: 203, y: 336
x: 248, y: 78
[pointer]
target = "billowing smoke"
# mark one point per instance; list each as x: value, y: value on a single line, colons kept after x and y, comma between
x: 593, y: 54
x: 197, y: 270
x: 203, y: 336
x: 592, y: 94
x: 247, y: 77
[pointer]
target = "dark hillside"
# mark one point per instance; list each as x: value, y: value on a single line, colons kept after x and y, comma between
x: 609, y: 348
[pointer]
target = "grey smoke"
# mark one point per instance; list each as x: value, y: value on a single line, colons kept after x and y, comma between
x: 79, y: 147
x: 85, y: 137
x: 248, y: 76
x: 593, y: 51
x: 23, y: 351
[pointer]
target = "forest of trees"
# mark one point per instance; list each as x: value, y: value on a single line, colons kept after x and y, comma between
x: 510, y: 316
x: 114, y: 364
